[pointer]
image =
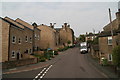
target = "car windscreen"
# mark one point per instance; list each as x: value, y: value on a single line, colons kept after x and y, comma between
x: 83, y: 47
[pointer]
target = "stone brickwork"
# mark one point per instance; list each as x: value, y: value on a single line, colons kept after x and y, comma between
x: 13, y: 64
x: 4, y: 37
x: 47, y: 37
x: 66, y: 34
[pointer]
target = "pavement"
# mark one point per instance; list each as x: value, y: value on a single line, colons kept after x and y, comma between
x: 108, y: 70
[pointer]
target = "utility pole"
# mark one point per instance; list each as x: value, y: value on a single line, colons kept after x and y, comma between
x: 93, y: 33
x: 111, y: 23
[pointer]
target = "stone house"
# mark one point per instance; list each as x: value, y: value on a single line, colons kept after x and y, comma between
x: 106, y: 41
x: 17, y: 39
x: 34, y: 35
x: 48, y: 37
x: 4, y: 39
x: 11, y: 40
x: 66, y: 34
x: 90, y: 37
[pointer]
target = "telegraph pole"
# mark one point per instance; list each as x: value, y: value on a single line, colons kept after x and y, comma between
x: 111, y: 22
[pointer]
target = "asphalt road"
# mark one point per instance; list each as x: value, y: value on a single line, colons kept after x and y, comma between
x: 72, y: 64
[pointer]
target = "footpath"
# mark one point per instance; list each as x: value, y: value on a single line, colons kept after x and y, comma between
x: 34, y: 66
x: 107, y: 70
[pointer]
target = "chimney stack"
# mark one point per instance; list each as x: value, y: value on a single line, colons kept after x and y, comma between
x: 68, y: 25
x: 65, y: 24
x: 51, y: 25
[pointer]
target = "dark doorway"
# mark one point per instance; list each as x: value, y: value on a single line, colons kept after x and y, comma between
x: 18, y: 56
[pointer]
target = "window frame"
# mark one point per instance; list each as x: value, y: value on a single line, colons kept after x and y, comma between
x: 110, y: 57
x: 108, y: 40
x: 30, y: 39
x: 26, y: 38
x: 19, y: 39
x: 12, y: 54
x: 14, y: 39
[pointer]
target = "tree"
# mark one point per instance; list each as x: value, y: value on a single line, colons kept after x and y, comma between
x: 116, y: 56
x: 95, y: 41
x: 82, y: 38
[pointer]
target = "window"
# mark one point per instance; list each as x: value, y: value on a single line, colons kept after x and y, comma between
x: 26, y: 38
x: 38, y: 37
x: 13, y: 39
x: 109, y: 57
x: 19, y: 40
x: 13, y: 54
x: 109, y: 40
x: 35, y: 36
x: 30, y: 51
x: 30, y: 39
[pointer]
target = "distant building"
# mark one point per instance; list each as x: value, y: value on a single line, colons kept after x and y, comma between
x: 90, y: 37
x: 66, y: 34
x: 48, y: 37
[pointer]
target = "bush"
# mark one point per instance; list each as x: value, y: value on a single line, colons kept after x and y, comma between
x: 105, y: 62
x: 116, y: 56
x: 56, y: 53
x: 42, y: 59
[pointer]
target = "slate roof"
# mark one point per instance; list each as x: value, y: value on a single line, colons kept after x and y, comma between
x: 108, y: 33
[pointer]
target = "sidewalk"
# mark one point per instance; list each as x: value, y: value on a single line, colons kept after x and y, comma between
x: 107, y: 70
x: 34, y: 66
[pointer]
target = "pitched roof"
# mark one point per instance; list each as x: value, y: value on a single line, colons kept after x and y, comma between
x: 13, y: 22
x: 108, y: 33
x: 24, y: 23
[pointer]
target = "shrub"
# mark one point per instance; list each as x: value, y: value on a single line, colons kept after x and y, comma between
x: 116, y: 56
x: 56, y: 53
x: 42, y: 59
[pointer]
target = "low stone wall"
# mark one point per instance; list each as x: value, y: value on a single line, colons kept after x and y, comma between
x: 12, y: 64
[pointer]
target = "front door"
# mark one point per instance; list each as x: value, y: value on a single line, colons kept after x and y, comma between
x: 18, y: 56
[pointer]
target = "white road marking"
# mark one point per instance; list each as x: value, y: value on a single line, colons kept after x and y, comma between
x: 45, y: 72
x: 39, y: 73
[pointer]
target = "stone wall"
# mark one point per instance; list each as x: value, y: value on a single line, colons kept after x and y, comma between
x: 12, y: 64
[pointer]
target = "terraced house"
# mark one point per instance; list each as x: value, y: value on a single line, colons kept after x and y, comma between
x: 106, y: 41
x: 48, y: 37
x: 17, y: 39
x: 66, y: 34
x: 20, y: 39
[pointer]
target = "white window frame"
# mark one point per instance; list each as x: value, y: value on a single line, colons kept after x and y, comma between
x: 35, y: 36
x: 12, y: 54
x: 110, y: 38
x: 19, y: 40
x: 30, y: 39
x: 14, y: 40
x: 26, y: 38
x: 109, y: 55
x: 30, y: 51
x: 38, y: 37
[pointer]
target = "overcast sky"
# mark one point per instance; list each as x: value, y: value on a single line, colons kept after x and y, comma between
x: 82, y: 16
